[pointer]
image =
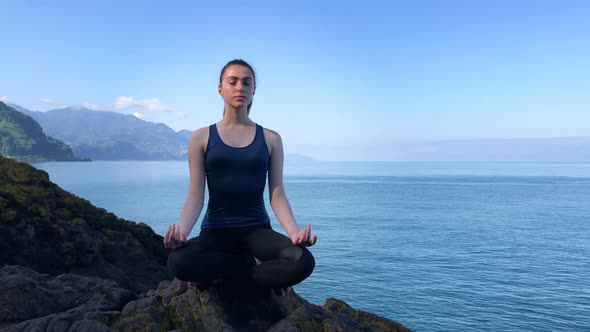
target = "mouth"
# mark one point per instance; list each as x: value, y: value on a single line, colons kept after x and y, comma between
x: 240, y: 97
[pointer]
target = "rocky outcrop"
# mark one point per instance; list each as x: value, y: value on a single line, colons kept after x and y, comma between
x: 232, y: 307
x: 33, y: 301
x: 30, y: 301
x: 52, y: 231
x: 66, y: 265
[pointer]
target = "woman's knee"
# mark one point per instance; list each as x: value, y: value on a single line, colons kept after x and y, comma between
x: 306, y: 263
x: 303, y: 261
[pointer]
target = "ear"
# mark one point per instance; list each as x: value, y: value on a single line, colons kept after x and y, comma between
x: 254, y: 92
x: 219, y: 89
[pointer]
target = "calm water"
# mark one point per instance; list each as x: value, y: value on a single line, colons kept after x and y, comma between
x: 435, y: 246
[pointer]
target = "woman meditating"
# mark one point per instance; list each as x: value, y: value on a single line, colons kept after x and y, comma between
x: 235, y: 156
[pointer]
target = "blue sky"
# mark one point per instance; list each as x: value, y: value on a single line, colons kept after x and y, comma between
x: 332, y: 76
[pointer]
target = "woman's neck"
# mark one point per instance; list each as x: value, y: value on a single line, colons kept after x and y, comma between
x: 234, y: 116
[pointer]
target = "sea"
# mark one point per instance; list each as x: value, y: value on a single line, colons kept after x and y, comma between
x: 434, y: 246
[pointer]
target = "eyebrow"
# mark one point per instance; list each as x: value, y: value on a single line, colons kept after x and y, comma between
x: 237, y: 78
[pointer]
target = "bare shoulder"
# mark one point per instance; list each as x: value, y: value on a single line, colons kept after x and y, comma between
x: 272, y: 136
x: 273, y: 140
x: 199, y: 137
x: 200, y: 133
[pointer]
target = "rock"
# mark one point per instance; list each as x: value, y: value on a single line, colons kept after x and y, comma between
x: 223, y: 307
x: 30, y: 300
x: 52, y: 231
x: 234, y: 307
x: 38, y: 302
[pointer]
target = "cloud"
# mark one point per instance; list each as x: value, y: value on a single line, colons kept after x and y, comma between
x: 151, y: 105
x: 91, y: 106
x: 181, y: 115
x: 47, y: 100
x: 138, y: 115
x: 4, y: 98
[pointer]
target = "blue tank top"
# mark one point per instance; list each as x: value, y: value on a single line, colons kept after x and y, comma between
x: 236, y: 178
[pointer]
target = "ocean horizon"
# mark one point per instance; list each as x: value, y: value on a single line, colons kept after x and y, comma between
x: 436, y: 246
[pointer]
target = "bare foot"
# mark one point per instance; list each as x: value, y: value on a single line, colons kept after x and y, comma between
x: 287, y: 291
x: 282, y: 291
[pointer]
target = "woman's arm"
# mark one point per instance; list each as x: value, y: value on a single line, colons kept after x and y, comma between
x: 176, y: 235
x: 278, y: 199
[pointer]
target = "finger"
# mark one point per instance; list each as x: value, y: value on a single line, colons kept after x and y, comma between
x: 167, y: 238
x: 183, y: 237
x: 311, y: 241
x: 173, y: 237
x: 167, y: 232
x: 314, y: 240
x: 307, y: 232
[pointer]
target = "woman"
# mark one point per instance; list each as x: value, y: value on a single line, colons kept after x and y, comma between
x: 236, y: 240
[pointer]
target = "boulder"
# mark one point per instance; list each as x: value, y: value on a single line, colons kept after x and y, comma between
x: 33, y: 301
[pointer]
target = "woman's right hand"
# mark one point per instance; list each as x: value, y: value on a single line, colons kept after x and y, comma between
x: 303, y: 237
x: 174, y: 238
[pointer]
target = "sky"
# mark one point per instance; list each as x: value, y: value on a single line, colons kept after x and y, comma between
x: 334, y: 78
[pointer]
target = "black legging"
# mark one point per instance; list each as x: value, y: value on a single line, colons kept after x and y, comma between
x: 229, y: 253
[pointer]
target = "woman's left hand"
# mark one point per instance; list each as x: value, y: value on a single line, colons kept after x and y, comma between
x: 303, y: 237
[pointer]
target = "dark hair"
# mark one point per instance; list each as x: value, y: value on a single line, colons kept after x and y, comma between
x: 239, y: 62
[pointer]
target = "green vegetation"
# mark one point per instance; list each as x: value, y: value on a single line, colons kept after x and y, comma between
x: 22, y: 138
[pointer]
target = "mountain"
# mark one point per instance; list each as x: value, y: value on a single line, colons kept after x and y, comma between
x: 105, y: 135
x: 23, y: 110
x: 185, y: 133
x: 22, y: 138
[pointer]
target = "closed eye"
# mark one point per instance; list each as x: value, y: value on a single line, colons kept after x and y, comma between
x: 234, y: 80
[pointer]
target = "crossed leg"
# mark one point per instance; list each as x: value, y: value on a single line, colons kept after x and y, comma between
x: 254, y: 255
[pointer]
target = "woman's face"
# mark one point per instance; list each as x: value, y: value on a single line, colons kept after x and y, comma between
x: 237, y: 86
